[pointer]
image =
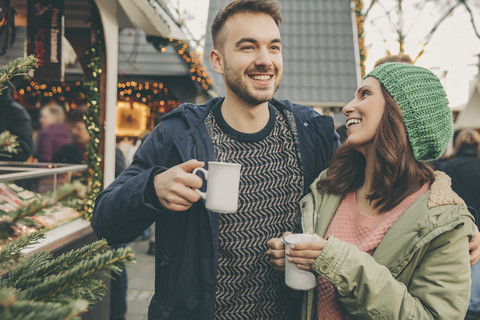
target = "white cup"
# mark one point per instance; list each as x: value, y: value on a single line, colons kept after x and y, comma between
x: 296, y: 278
x: 223, y: 180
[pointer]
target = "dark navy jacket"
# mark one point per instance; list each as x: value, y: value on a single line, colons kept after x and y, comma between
x: 464, y: 170
x: 187, y: 243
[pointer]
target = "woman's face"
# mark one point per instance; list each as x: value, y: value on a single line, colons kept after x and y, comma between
x: 46, y: 118
x: 364, y: 114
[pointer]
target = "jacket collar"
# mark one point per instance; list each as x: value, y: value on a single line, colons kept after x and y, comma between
x: 196, y: 114
x: 430, y: 215
x: 441, y: 193
x: 436, y: 212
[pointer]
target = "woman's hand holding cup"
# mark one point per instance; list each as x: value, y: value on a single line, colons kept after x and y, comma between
x: 294, y: 254
x: 276, y: 252
x: 303, y: 254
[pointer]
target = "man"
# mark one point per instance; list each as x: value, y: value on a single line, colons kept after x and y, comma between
x: 209, y: 265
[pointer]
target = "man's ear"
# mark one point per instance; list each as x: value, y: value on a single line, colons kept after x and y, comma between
x: 216, y: 59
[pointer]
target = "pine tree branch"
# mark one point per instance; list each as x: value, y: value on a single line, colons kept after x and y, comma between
x: 8, y: 144
x: 59, y: 264
x: 112, y: 260
x: 13, y: 309
x: 18, y: 278
x: 90, y: 290
x: 27, y: 210
x: 7, y: 297
x: 11, y: 251
x: 17, y: 67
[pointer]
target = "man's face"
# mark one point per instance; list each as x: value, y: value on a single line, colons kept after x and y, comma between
x: 250, y: 57
x: 79, y: 133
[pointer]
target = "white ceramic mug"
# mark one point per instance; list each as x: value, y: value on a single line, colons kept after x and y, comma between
x: 223, y: 180
x: 296, y: 278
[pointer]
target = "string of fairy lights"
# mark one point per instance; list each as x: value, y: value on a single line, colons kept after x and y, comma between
x: 197, y: 71
x: 91, y: 91
x: 36, y: 93
x: 154, y: 94
x: 360, y: 19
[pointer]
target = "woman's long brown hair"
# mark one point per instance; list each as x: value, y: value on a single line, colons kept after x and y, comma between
x: 396, y: 173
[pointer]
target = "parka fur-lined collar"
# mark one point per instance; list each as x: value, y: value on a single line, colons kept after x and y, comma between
x: 441, y: 193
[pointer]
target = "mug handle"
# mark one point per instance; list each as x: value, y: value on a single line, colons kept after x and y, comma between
x: 205, y: 172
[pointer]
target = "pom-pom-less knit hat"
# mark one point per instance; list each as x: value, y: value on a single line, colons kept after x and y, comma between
x: 423, y: 104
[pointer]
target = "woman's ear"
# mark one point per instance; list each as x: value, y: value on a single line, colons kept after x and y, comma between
x: 216, y: 59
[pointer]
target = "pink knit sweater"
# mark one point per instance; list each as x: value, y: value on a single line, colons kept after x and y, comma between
x: 365, y: 232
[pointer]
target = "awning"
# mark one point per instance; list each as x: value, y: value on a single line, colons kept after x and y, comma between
x: 154, y: 21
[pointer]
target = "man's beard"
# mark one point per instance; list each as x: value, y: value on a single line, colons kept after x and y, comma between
x: 237, y: 84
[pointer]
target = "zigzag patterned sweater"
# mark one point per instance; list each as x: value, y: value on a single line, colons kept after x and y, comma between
x: 270, y: 189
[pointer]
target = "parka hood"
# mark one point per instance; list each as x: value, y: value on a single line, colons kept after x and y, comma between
x: 441, y: 193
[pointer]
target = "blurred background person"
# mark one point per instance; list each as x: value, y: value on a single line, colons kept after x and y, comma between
x: 463, y: 167
x: 15, y: 119
x: 75, y: 152
x: 53, y: 134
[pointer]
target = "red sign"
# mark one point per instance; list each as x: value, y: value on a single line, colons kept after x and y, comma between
x: 45, y: 23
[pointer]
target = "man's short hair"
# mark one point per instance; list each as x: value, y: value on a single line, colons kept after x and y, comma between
x: 270, y: 7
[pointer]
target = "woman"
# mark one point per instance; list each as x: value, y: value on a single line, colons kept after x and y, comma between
x: 53, y: 135
x: 394, y: 235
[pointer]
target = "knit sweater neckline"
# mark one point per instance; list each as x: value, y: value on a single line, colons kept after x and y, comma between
x: 241, y: 136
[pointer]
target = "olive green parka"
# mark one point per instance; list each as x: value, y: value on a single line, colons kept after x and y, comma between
x: 420, y: 269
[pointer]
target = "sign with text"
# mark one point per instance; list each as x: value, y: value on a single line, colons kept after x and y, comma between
x: 45, y: 23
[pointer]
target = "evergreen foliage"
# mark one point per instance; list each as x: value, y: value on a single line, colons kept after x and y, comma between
x: 39, y: 286
x: 17, y: 67
x: 8, y: 143
x: 42, y: 287
x: 10, y: 253
x: 11, y: 308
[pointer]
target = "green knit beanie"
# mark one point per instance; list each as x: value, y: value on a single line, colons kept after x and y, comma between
x: 423, y: 104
